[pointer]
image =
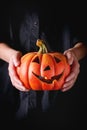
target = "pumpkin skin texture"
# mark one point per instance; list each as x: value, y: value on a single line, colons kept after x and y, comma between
x: 43, y: 70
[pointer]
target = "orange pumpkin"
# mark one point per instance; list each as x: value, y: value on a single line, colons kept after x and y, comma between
x: 43, y: 70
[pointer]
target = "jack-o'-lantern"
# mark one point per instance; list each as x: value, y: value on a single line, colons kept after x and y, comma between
x: 43, y: 70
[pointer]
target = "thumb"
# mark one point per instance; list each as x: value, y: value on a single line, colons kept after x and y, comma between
x: 16, y: 59
x: 69, y: 57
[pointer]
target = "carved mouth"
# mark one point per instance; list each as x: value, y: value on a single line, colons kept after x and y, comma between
x: 49, y: 81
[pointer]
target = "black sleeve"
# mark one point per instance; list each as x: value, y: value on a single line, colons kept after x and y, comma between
x: 79, y: 27
x: 4, y: 24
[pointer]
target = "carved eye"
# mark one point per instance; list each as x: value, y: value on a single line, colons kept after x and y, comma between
x: 36, y: 60
x: 47, y: 68
x: 56, y: 59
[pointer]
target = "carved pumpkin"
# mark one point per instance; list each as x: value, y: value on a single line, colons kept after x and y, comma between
x: 43, y: 70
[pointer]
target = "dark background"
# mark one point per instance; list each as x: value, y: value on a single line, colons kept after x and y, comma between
x: 71, y: 109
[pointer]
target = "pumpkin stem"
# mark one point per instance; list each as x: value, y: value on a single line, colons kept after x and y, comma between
x: 41, y: 45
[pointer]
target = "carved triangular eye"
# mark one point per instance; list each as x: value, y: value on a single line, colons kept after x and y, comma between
x: 47, y: 68
x: 36, y: 60
x: 56, y: 59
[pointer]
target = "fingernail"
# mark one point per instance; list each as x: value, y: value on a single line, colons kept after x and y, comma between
x: 23, y: 88
x: 67, y: 80
x: 20, y: 83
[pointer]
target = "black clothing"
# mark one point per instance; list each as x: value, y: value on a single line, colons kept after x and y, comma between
x: 21, y: 25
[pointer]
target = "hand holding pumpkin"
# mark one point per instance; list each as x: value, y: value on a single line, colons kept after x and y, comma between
x: 75, y: 69
x: 43, y: 70
x: 13, y: 63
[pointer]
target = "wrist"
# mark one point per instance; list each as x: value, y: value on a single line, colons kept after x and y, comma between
x: 7, y: 52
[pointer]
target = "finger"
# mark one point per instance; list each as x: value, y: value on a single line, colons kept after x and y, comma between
x: 12, y: 73
x: 69, y: 85
x: 67, y: 88
x: 16, y: 60
x: 17, y: 85
x: 74, y: 73
x: 76, y: 68
x: 20, y: 87
x: 69, y: 57
x: 70, y: 77
x: 17, y: 80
